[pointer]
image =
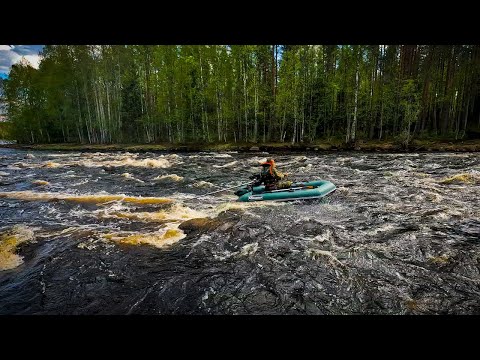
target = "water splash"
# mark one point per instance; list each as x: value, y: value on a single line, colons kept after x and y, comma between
x: 129, y: 176
x: 202, y: 184
x: 317, y: 254
x: 176, y: 212
x: 94, y: 198
x: 40, y: 183
x: 169, y: 177
x: 93, y: 162
x: 50, y: 164
x: 9, y: 241
x: 165, y: 236
x: 221, y: 156
x: 228, y: 165
x: 461, y: 178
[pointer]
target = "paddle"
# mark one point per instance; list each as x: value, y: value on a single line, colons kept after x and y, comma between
x: 231, y: 187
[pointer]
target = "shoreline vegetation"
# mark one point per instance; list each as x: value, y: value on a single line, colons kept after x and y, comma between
x: 231, y: 95
x: 365, y: 146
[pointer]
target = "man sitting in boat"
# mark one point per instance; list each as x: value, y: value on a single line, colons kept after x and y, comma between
x: 271, y: 177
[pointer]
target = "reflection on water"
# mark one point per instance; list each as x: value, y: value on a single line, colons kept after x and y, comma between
x: 87, y: 233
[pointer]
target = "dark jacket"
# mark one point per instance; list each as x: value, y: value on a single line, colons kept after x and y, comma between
x: 269, y: 175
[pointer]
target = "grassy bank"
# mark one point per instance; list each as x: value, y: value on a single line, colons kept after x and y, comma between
x: 334, y: 145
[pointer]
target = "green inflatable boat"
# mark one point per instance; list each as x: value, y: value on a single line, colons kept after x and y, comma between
x: 298, y: 191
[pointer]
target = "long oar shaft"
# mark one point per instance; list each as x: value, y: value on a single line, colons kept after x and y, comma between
x: 231, y: 187
x: 305, y: 174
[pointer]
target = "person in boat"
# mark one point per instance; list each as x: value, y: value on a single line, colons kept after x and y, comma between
x: 271, y: 177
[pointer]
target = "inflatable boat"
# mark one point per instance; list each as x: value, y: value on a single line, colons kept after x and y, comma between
x: 298, y: 191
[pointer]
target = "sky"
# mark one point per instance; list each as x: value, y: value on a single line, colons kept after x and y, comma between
x: 11, y: 54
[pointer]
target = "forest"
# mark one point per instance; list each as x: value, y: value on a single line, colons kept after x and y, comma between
x: 107, y: 94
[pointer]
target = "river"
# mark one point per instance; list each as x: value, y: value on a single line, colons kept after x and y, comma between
x: 127, y: 233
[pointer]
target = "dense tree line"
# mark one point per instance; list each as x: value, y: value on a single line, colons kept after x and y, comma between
x: 260, y: 93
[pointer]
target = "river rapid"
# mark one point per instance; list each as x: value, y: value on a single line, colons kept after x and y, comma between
x: 128, y: 233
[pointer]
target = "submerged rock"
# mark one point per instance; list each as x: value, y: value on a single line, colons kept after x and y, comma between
x: 40, y: 183
x: 169, y: 177
x: 205, y: 224
x: 9, y: 241
x: 462, y: 178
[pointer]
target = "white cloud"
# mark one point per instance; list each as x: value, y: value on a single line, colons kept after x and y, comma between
x: 10, y: 55
x: 34, y: 60
x: 7, y: 58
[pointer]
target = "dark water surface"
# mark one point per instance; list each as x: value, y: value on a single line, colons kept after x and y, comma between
x: 112, y: 233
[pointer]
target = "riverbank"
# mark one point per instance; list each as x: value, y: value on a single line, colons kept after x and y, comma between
x: 365, y: 146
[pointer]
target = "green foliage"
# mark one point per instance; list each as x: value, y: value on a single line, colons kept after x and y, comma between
x: 6, y: 131
x: 243, y: 93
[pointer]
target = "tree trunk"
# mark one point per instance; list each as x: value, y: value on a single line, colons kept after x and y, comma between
x: 245, y: 98
x: 354, y: 122
x: 465, y: 119
x: 255, y: 129
x: 381, y: 123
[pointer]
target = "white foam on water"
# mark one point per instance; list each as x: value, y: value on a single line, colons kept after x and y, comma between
x: 93, y: 161
x: 9, y: 241
x: 174, y: 213
x: 256, y: 160
x: 65, y: 155
x: 248, y: 249
x: 317, y: 254
x: 173, y: 156
x: 79, y: 183
x: 101, y: 197
x: 165, y: 236
x: 168, y: 177
x: 380, y: 229
x: 129, y: 176
x: 202, y: 184
x: 230, y: 164
x: 220, y: 156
